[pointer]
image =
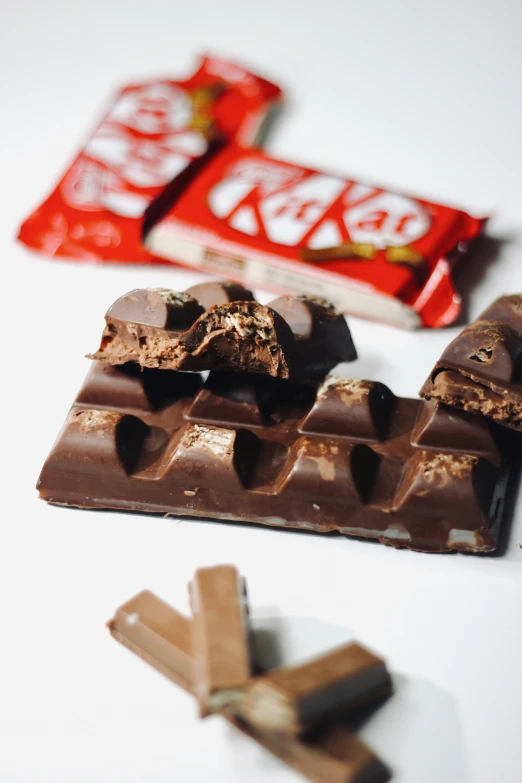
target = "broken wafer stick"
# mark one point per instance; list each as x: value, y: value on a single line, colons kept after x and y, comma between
x: 220, y: 637
x: 365, y: 250
x: 161, y: 636
x: 291, y: 699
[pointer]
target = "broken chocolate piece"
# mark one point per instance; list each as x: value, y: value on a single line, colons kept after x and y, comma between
x: 291, y: 699
x: 162, y: 637
x: 202, y: 454
x: 481, y: 370
x: 220, y: 637
x: 298, y: 337
x: 320, y: 333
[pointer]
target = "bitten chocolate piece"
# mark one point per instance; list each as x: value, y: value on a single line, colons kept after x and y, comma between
x: 481, y: 370
x: 219, y: 326
x: 163, y: 638
x: 344, y: 456
x: 220, y: 637
x: 291, y: 699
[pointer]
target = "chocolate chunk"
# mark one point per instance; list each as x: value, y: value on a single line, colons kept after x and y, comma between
x: 248, y: 459
x: 249, y: 401
x: 291, y: 699
x: 220, y: 638
x: 432, y: 482
x: 361, y: 409
x: 157, y: 328
x: 481, y: 370
x: 162, y: 637
x: 154, y: 396
x: 320, y: 331
x: 471, y: 434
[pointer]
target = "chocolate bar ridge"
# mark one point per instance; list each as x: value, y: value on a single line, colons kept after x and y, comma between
x: 219, y: 326
x: 481, y: 370
x: 344, y: 456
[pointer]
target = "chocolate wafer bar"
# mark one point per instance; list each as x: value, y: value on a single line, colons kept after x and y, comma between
x: 220, y: 637
x: 293, y: 698
x: 342, y: 455
x: 481, y: 370
x: 162, y: 637
x: 219, y: 326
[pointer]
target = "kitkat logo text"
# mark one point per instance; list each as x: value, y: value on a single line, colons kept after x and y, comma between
x: 294, y: 207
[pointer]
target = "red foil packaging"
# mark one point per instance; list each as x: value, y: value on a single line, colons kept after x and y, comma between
x: 151, y: 132
x: 265, y: 222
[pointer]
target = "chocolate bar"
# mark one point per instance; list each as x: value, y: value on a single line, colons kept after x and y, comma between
x: 219, y: 326
x: 291, y: 699
x: 481, y: 370
x: 161, y: 636
x: 344, y: 456
x: 220, y: 637
x: 374, y: 253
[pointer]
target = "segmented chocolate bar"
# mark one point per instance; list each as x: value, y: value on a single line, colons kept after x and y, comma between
x: 342, y: 455
x: 219, y: 326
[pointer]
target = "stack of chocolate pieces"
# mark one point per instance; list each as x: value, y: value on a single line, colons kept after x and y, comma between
x: 481, y: 370
x: 269, y: 437
x: 298, y: 713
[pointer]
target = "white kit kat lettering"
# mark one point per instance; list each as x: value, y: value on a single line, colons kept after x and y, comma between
x: 315, y: 211
x: 144, y: 163
x: 289, y: 216
x: 386, y: 220
x: 153, y: 108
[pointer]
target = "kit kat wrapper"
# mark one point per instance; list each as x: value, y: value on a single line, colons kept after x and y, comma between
x: 151, y: 132
x: 371, y: 251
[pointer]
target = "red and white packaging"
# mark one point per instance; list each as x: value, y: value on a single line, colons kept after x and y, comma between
x: 150, y: 133
x: 265, y: 222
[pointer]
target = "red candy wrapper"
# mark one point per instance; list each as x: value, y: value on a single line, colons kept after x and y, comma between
x: 264, y: 222
x: 150, y: 134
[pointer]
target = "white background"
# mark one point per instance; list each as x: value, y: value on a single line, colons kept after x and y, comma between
x: 425, y: 96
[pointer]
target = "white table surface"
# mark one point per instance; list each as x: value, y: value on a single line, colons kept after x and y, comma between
x: 423, y: 96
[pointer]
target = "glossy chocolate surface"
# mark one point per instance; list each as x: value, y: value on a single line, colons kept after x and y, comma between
x: 220, y: 637
x: 481, y: 370
x: 342, y: 455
